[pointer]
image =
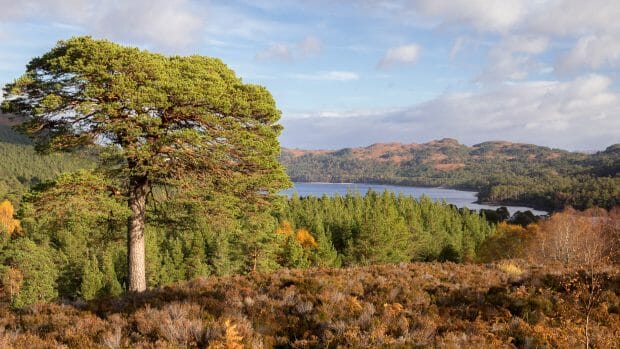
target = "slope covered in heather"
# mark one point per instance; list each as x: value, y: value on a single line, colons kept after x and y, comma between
x: 442, y: 305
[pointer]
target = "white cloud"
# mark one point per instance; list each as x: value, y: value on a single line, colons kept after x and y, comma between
x: 15, y: 10
x: 578, y: 114
x: 329, y: 76
x: 573, y: 17
x: 171, y: 25
x: 506, y: 66
x: 232, y: 24
x: 458, y: 46
x: 400, y: 55
x: 589, y: 26
x: 593, y: 25
x: 514, y: 59
x: 509, y: 111
x: 167, y: 23
x: 310, y: 45
x: 592, y: 52
x: 490, y: 15
x: 524, y: 44
x: 277, y: 51
x: 338, y: 114
x: 555, y: 17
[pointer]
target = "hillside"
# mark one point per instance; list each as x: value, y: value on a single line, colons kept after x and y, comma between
x: 22, y: 167
x: 502, y: 172
x: 441, y: 305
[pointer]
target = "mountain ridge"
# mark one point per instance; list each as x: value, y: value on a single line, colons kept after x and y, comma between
x: 401, y: 146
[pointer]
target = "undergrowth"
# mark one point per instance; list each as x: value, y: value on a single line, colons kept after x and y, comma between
x: 403, y: 306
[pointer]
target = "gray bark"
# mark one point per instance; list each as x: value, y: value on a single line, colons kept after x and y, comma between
x: 138, y: 189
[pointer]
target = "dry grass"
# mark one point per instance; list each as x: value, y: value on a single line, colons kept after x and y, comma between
x: 510, y: 268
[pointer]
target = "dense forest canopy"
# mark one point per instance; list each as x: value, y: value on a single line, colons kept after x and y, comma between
x: 502, y: 172
x: 71, y: 246
x: 23, y: 167
x: 76, y: 230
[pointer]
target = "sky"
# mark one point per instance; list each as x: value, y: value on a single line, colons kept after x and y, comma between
x: 351, y: 73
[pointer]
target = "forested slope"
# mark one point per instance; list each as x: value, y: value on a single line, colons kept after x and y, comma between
x: 21, y: 166
x: 502, y: 172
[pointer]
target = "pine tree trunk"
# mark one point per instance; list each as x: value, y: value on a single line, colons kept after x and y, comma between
x: 138, y: 189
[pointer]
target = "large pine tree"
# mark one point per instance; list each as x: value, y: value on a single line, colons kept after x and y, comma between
x: 186, y: 122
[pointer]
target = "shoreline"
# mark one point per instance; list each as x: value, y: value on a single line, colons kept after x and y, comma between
x: 516, y: 206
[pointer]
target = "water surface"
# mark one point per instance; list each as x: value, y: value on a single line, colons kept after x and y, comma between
x: 460, y: 198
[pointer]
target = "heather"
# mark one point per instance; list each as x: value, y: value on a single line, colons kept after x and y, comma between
x: 448, y: 305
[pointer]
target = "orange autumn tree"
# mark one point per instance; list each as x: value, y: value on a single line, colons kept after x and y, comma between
x: 7, y: 222
x: 298, y: 246
x: 305, y: 239
x: 508, y: 241
x: 302, y: 235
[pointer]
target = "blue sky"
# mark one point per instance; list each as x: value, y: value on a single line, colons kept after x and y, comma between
x: 352, y: 73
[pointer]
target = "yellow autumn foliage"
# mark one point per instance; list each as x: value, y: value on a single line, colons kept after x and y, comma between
x: 510, y: 268
x: 303, y: 235
x: 508, y: 242
x: 305, y: 239
x: 7, y: 222
x: 510, y: 229
x: 285, y: 228
x: 231, y: 340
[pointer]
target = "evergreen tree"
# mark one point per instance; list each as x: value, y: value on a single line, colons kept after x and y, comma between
x: 222, y: 257
x: 449, y: 253
x: 383, y: 236
x: 173, y: 267
x: 262, y: 245
x: 177, y: 121
x: 111, y: 285
x: 92, y: 279
x: 196, y: 259
x: 325, y: 255
x: 293, y: 254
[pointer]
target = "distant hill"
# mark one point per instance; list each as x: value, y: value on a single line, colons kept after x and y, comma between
x: 503, y: 172
x: 21, y: 166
